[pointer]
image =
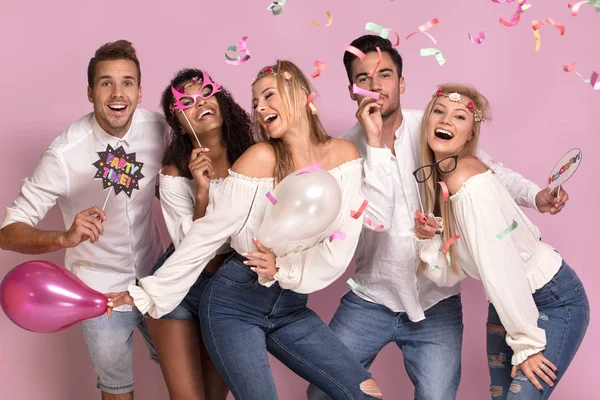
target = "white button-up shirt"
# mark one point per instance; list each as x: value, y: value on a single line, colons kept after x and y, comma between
x: 386, y: 262
x: 131, y: 242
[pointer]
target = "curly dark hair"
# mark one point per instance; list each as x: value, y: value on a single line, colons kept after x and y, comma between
x: 236, y: 135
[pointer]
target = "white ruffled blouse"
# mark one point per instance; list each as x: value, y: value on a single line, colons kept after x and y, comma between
x: 501, y: 247
x: 236, y: 210
x: 178, y: 200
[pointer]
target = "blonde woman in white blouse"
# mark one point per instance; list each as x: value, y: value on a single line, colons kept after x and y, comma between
x: 538, y: 312
x: 257, y: 304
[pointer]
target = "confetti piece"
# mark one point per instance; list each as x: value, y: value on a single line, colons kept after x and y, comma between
x: 355, y: 286
x: 571, y: 68
x: 445, y: 192
x: 379, y: 60
x: 380, y: 30
x: 595, y: 81
x: 271, y: 198
x: 503, y: 1
x: 241, y: 46
x: 508, y: 230
x: 449, y: 243
x: 423, y: 28
x: 321, y: 66
x: 337, y: 235
x: 575, y: 6
x: 372, y: 225
x: 276, y: 7
x: 434, y: 52
x: 329, y: 20
x: 311, y: 168
x: 521, y: 7
x: 361, y: 209
x: 310, y: 104
x: 477, y: 39
x: 383, y: 32
x: 536, y: 35
x: 363, y: 92
x: 358, y: 53
x: 537, y: 25
x: 448, y: 259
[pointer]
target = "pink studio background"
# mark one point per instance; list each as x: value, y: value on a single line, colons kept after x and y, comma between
x: 539, y: 113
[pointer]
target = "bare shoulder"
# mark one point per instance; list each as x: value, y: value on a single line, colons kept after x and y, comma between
x: 256, y: 162
x: 170, y: 170
x: 344, y: 150
x: 467, y: 167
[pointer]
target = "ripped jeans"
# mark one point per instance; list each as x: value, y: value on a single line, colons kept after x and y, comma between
x: 564, y: 313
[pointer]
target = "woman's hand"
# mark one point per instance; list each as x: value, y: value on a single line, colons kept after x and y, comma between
x: 201, y: 168
x: 117, y: 299
x: 263, y: 260
x: 425, y: 227
x: 539, y: 365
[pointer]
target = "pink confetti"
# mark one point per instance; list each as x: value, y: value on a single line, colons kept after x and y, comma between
x: 358, y: 53
x: 312, y: 168
x: 363, y: 92
x: 477, y: 39
x: 337, y: 235
x: 595, y: 81
x: 575, y: 7
x: 372, y: 225
x: 516, y: 17
x: 321, y: 66
x: 379, y: 60
x: 271, y: 198
x: 445, y: 192
x: 449, y: 243
x: 423, y: 28
x: 356, y: 214
x: 241, y: 46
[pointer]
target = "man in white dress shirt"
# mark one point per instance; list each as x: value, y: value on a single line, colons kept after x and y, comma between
x: 111, y: 248
x: 391, y: 302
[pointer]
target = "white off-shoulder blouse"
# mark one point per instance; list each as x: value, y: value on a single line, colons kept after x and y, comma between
x: 236, y: 210
x: 500, y: 246
x: 178, y: 200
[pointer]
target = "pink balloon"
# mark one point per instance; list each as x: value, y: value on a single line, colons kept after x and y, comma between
x: 40, y: 296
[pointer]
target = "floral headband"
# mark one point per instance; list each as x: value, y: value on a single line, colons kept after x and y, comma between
x: 455, y: 97
x: 270, y: 71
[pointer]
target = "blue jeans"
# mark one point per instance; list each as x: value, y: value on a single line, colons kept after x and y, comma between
x: 241, y: 320
x: 190, y: 305
x: 564, y: 315
x: 431, y: 348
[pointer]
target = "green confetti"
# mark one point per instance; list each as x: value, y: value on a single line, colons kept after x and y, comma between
x: 356, y: 286
x: 508, y: 230
x: 434, y: 52
x: 383, y: 32
x: 274, y: 4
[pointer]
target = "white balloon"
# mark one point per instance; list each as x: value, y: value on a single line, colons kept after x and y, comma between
x: 306, y: 207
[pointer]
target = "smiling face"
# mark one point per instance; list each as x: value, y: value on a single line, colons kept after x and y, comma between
x: 204, y: 115
x: 449, y: 127
x: 269, y: 107
x: 385, y: 81
x: 115, y: 95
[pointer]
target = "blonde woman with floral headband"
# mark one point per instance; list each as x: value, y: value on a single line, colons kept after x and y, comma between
x: 538, y: 311
x: 256, y: 302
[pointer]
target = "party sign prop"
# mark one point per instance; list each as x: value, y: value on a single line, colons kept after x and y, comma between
x: 118, y: 170
x: 564, y: 168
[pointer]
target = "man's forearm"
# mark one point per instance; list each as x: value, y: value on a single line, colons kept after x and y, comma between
x: 22, y: 238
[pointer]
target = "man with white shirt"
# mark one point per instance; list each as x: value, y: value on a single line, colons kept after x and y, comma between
x: 107, y: 249
x: 390, y: 301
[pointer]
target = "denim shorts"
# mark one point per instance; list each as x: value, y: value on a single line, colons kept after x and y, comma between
x: 189, y: 306
x: 110, y: 345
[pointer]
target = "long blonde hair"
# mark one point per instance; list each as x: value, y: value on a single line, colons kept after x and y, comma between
x: 290, y: 90
x: 430, y: 189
